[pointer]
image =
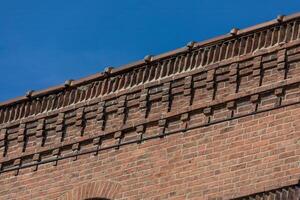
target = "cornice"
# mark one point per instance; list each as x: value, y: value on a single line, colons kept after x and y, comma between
x: 191, y: 57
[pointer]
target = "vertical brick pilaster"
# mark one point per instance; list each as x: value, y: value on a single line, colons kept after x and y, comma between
x: 60, y: 126
x: 210, y: 83
x: 40, y: 132
x: 166, y: 98
x: 121, y: 111
x: 257, y: 70
x: 188, y: 94
x: 100, y: 115
x: 233, y: 77
x: 22, y: 137
x: 80, y: 120
x: 3, y: 142
x: 143, y: 106
x: 281, y: 63
x: 187, y: 90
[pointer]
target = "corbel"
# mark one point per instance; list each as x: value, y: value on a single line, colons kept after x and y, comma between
x: 97, y: 142
x: 36, y: 159
x: 254, y: 99
x: 279, y: 92
x: 231, y: 105
x: 162, y: 127
x: 56, y: 154
x: 118, y: 137
x: 17, y: 164
x: 207, y: 112
x: 184, y: 120
x: 100, y: 117
x: 140, y: 132
x: 75, y: 150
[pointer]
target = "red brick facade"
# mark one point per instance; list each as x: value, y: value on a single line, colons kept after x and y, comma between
x: 214, y: 120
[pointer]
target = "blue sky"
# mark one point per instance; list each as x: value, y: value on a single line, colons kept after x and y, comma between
x: 43, y: 43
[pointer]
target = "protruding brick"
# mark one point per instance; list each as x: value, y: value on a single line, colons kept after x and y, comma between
x: 231, y: 105
x: 184, y: 117
x: 207, y: 111
x: 279, y: 92
x: 36, y: 157
x: 75, y: 147
x: 254, y: 98
x: 118, y: 134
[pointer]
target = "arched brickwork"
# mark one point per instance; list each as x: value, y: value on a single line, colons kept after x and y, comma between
x: 90, y: 190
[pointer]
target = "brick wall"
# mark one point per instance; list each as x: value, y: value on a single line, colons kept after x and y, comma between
x: 214, y: 120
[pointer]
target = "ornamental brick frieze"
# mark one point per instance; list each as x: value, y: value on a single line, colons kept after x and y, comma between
x: 60, y: 135
x: 192, y: 57
x: 203, y: 85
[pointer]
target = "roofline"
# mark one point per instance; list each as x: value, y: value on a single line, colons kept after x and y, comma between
x: 126, y: 67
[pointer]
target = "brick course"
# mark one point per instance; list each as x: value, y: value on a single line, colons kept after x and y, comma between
x: 214, y: 120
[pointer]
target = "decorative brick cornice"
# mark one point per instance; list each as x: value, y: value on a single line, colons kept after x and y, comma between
x: 230, y: 105
x: 223, y: 48
x: 121, y: 107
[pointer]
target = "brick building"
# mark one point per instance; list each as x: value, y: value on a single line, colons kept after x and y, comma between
x: 216, y: 120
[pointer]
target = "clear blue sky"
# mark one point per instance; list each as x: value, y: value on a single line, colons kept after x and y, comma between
x: 43, y: 43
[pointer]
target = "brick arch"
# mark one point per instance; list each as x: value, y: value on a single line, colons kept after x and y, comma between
x: 97, y: 189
